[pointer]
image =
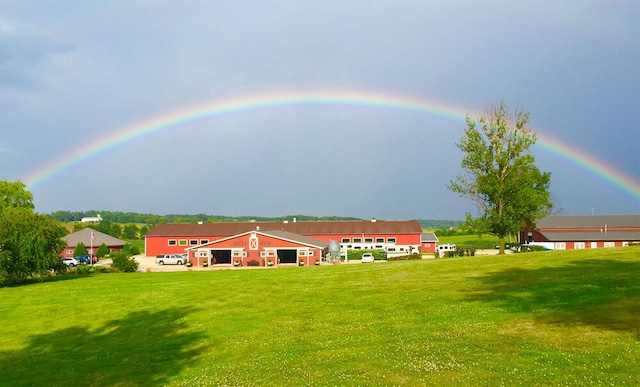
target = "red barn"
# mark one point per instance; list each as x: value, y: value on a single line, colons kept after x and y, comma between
x: 259, y: 248
x: 352, y: 235
x: 583, y: 232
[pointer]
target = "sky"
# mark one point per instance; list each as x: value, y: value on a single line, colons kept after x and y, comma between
x: 323, y: 108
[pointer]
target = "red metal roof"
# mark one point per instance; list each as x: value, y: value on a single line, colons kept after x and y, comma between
x: 301, y: 228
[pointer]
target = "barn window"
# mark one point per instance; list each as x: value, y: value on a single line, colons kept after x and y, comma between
x: 311, y: 253
x: 171, y: 242
x: 609, y: 244
x: 368, y: 240
x: 193, y: 242
x: 346, y: 240
x: 391, y: 241
x: 203, y: 241
x: 379, y: 240
x: 578, y: 245
x: 357, y: 240
x: 561, y: 245
x: 182, y: 242
x: 69, y: 251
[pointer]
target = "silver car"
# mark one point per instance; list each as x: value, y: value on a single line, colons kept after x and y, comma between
x: 367, y: 258
x: 71, y: 262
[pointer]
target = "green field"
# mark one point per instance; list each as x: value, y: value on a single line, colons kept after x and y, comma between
x: 548, y: 318
x: 472, y: 240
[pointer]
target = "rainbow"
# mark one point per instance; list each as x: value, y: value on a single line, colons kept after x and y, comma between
x: 254, y: 102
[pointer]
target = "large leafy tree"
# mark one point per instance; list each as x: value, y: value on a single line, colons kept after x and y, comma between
x: 499, y: 174
x: 30, y: 243
x: 14, y: 195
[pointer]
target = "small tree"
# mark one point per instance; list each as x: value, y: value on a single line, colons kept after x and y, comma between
x: 500, y: 176
x: 124, y: 262
x: 80, y: 250
x: 102, y: 251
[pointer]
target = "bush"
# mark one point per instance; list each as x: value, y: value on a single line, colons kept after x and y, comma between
x: 102, y: 251
x: 124, y: 262
x: 526, y: 249
x: 104, y: 269
x: 84, y: 269
x: 466, y: 252
x: 405, y: 257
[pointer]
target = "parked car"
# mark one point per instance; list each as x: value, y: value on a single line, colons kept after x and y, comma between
x: 85, y: 260
x: 171, y: 259
x: 71, y: 262
x: 367, y: 257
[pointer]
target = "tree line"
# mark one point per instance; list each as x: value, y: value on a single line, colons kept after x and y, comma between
x: 113, y: 219
x: 151, y: 220
x: 116, y: 230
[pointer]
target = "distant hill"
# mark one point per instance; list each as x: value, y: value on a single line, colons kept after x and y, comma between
x: 439, y: 224
x: 151, y: 219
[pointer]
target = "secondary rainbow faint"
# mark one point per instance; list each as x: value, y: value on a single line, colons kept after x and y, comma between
x: 246, y: 104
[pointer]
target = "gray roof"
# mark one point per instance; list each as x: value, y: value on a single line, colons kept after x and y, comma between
x: 297, y: 238
x: 592, y: 236
x: 429, y: 237
x: 589, y: 221
x: 99, y: 238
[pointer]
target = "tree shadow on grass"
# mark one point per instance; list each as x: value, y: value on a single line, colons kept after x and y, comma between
x: 600, y: 293
x: 143, y: 348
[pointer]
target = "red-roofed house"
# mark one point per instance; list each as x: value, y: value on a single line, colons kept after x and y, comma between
x: 90, y: 238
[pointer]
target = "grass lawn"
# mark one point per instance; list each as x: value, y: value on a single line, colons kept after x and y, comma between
x: 547, y: 318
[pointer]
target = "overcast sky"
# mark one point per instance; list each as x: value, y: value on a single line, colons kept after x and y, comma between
x: 73, y: 72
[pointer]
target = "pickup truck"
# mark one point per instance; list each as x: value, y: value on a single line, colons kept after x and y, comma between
x: 171, y: 259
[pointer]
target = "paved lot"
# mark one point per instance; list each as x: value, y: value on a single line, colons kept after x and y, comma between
x: 148, y: 264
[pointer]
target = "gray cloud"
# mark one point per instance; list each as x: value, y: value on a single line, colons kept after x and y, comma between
x: 99, y: 66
